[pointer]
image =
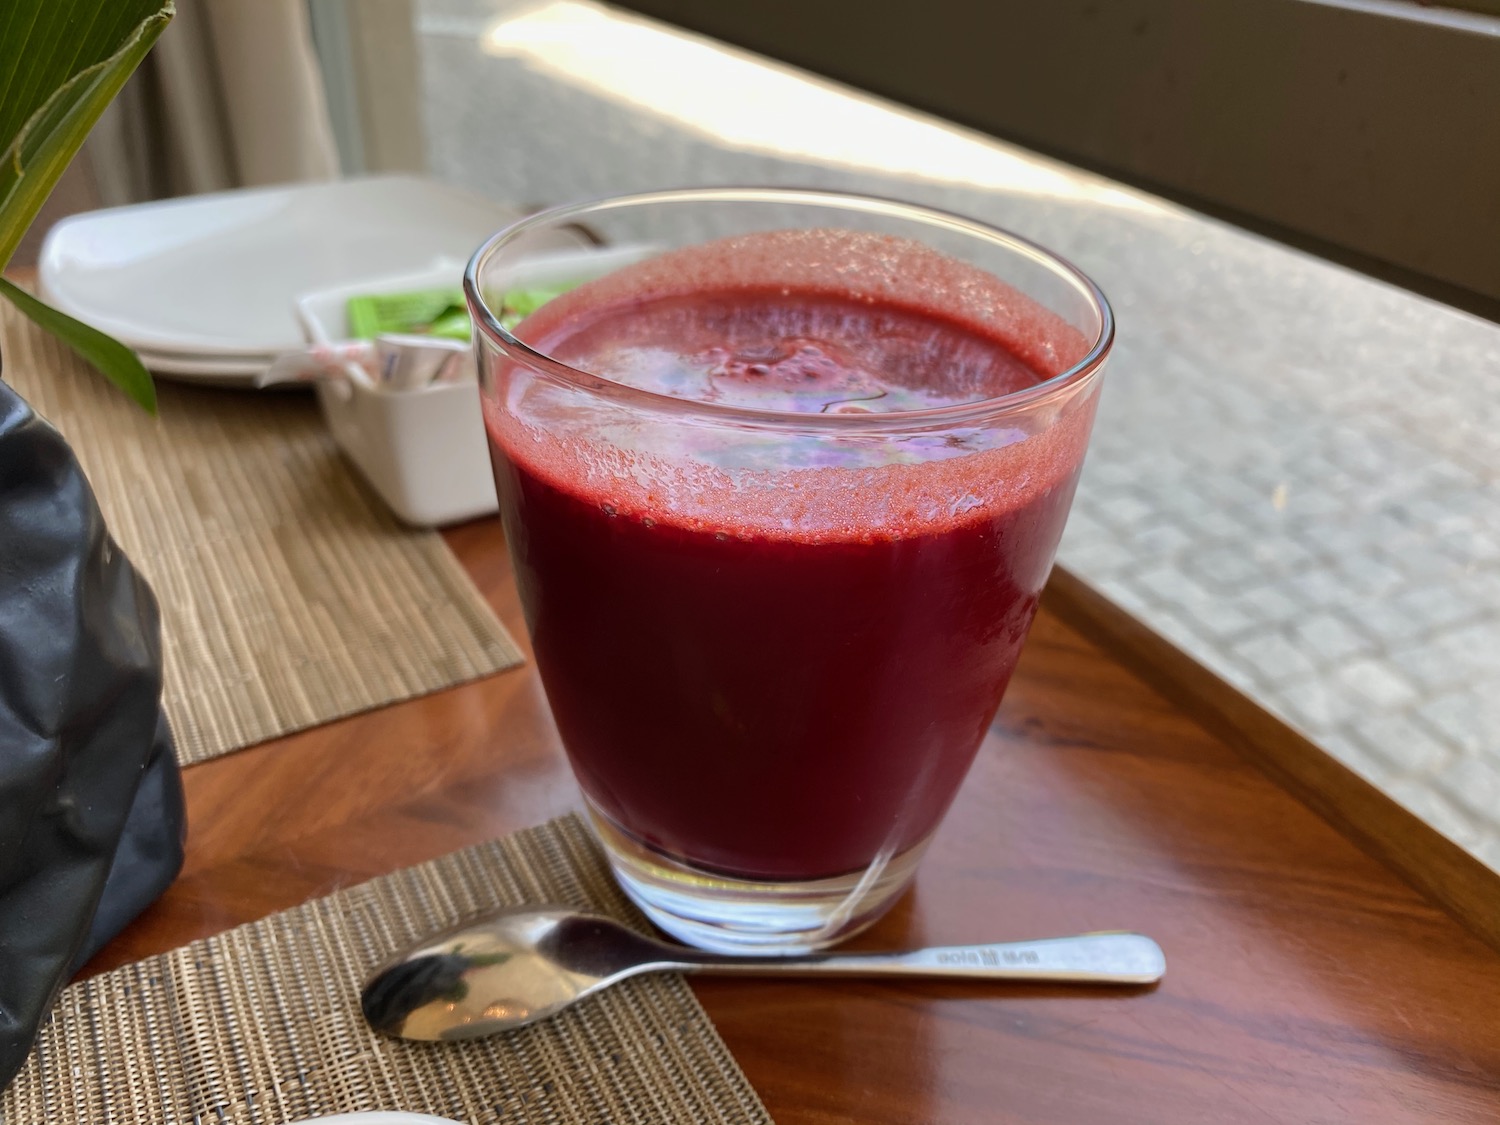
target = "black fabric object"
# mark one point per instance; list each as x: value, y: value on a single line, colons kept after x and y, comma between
x: 91, y: 809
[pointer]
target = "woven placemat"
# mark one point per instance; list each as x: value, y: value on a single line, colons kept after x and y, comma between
x: 261, y: 1024
x: 290, y: 596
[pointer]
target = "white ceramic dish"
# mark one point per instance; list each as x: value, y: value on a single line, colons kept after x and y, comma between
x: 216, y: 275
x: 186, y: 367
x: 425, y: 451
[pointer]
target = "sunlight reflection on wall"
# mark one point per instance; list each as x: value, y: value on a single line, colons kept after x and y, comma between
x: 747, y: 102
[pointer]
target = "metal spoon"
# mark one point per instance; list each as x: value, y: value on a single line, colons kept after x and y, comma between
x: 525, y: 964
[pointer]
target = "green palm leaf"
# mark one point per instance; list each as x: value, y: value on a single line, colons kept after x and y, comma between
x: 61, y: 63
x: 105, y: 353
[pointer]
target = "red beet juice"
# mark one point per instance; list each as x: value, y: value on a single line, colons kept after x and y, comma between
x: 769, y: 653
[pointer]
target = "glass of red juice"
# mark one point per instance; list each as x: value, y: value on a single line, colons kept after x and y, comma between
x: 781, y: 481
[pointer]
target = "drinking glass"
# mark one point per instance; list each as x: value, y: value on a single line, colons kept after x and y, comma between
x: 773, y: 630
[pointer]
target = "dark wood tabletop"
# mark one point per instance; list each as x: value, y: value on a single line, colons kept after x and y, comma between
x: 1307, y: 982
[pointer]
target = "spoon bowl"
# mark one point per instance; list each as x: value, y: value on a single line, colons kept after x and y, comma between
x: 521, y: 965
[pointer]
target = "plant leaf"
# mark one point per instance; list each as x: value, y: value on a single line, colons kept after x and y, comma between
x: 114, y: 360
x: 61, y: 63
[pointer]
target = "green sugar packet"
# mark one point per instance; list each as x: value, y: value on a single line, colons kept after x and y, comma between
x: 518, y: 304
x: 439, y: 312
x: 419, y: 313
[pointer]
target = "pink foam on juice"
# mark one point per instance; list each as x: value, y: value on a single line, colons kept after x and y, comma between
x: 774, y: 655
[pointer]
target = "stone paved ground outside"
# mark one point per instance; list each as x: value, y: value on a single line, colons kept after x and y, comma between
x: 1338, y: 560
x: 1296, y: 471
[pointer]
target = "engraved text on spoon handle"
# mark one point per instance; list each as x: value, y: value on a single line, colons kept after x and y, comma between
x: 1103, y: 958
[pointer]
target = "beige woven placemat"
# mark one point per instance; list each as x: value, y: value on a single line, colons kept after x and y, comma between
x: 290, y: 596
x: 261, y: 1024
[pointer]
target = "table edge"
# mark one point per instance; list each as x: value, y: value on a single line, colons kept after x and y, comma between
x: 1462, y: 884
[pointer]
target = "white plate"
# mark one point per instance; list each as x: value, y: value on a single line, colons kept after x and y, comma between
x: 189, y: 368
x: 217, y: 274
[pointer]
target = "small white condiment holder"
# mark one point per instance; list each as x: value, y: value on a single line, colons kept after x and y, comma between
x: 424, y: 450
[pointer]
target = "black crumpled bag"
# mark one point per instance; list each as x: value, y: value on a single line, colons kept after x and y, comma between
x: 91, y: 810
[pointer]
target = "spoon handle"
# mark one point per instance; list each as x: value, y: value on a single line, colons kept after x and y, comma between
x: 1100, y: 958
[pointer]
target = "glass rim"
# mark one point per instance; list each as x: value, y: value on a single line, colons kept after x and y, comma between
x: 488, y: 324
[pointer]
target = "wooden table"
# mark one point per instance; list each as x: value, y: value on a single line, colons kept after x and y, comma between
x: 1306, y: 982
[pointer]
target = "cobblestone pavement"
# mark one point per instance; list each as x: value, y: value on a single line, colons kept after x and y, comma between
x: 1295, y: 474
x: 1330, y: 543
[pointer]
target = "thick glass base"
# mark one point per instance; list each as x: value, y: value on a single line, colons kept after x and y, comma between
x: 728, y: 915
